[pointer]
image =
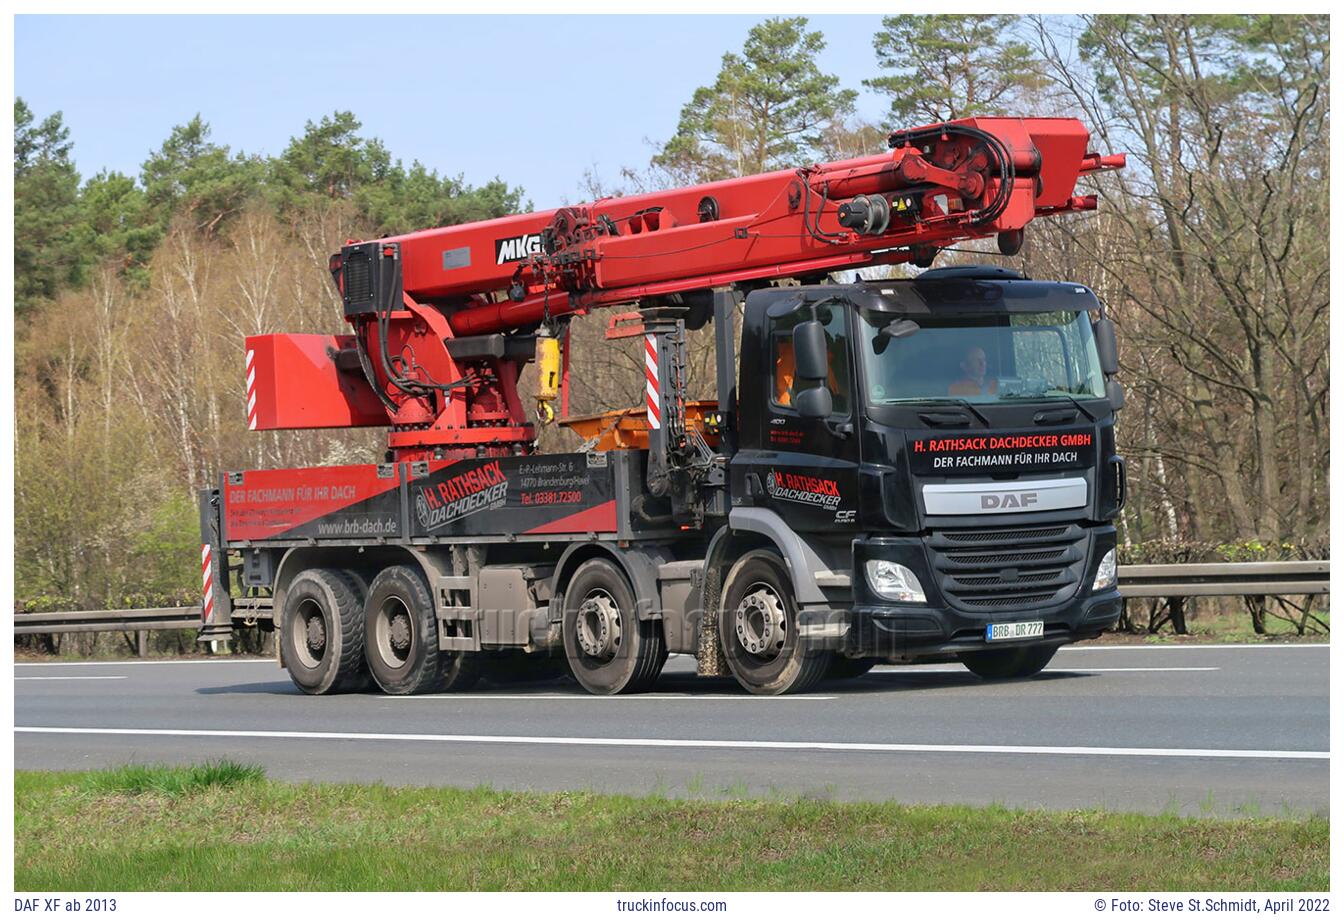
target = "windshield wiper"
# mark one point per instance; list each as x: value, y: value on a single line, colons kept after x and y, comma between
x: 1046, y: 394
x: 1080, y: 407
x: 945, y: 400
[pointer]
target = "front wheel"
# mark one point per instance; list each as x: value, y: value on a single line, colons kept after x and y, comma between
x: 1008, y: 663
x: 758, y: 629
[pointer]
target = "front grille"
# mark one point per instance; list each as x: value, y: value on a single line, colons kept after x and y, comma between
x: 994, y: 581
x: 976, y: 536
x: 1010, y: 603
x: 1009, y: 569
x: 980, y: 560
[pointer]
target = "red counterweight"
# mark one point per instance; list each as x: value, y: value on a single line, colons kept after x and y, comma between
x: 295, y: 381
x: 443, y: 318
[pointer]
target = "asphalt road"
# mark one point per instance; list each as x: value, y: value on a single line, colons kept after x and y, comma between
x: 1192, y: 729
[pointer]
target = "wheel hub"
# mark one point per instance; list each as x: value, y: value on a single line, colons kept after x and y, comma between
x: 759, y: 622
x: 598, y: 625
x: 315, y: 631
x: 399, y: 631
x: 393, y: 632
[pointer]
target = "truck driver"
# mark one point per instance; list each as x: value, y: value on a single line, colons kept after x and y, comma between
x: 974, y: 367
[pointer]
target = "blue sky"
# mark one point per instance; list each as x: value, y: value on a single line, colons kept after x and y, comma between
x: 535, y: 100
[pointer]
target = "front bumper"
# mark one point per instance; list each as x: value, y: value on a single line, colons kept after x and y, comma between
x: 884, y: 631
x: 949, y: 624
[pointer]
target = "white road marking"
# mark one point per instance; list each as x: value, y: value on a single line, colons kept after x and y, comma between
x: 1190, y: 646
x: 78, y: 677
x: 1081, y: 669
x: 658, y: 697
x: 1087, y: 670
x: 119, y: 663
x: 837, y: 746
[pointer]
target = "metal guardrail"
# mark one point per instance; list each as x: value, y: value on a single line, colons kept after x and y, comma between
x: 1201, y: 579
x: 73, y: 621
x: 1225, y: 579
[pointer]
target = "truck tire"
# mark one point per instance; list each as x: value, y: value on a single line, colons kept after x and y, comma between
x: 322, y: 633
x: 610, y: 650
x: 1008, y: 663
x: 758, y: 629
x: 361, y: 588
x: 842, y: 668
x: 401, y: 638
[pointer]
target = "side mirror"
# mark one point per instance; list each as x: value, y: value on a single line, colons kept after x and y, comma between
x: 1115, y: 394
x: 814, y: 402
x: 1107, y: 349
x: 810, y: 360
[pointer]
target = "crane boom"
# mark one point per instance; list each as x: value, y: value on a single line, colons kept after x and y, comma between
x: 445, y: 319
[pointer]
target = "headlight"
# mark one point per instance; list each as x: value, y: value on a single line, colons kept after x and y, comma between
x: 1105, y: 572
x: 894, y: 581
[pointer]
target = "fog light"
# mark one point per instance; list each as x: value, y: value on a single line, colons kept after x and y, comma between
x: 1105, y: 572
x: 894, y: 582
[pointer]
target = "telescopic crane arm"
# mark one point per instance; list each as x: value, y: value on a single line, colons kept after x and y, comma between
x: 445, y: 319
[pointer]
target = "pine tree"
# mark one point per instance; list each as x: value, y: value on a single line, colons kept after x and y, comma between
x: 768, y: 108
x: 191, y: 175
x: 48, y: 244
x: 952, y: 66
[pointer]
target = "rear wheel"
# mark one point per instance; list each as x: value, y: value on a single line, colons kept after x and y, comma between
x: 610, y: 649
x: 1008, y: 663
x: 758, y: 629
x: 322, y: 632
x: 401, y: 638
x: 360, y: 584
x: 846, y: 668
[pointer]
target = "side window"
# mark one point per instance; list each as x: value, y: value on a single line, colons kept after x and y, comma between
x: 781, y: 358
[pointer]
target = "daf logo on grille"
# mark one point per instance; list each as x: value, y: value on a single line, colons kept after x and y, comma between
x: 1008, y: 500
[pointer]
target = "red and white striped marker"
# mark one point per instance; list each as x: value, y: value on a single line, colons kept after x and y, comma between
x: 652, y: 394
x: 208, y: 584
x: 251, y: 392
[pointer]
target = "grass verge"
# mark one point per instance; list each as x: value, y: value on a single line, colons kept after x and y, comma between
x: 223, y: 827
x: 141, y: 779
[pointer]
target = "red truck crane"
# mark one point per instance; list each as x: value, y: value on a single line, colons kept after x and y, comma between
x: 896, y: 468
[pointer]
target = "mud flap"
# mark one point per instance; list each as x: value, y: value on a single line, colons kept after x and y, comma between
x: 709, y: 660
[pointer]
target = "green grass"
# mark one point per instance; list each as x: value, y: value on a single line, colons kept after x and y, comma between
x: 223, y: 827
x: 142, y: 779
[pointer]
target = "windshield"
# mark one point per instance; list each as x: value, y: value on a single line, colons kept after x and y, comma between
x: 980, y: 358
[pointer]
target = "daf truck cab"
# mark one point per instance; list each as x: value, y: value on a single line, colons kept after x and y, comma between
x: 943, y: 449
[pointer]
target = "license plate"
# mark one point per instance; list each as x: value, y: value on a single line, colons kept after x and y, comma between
x: 997, y: 632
